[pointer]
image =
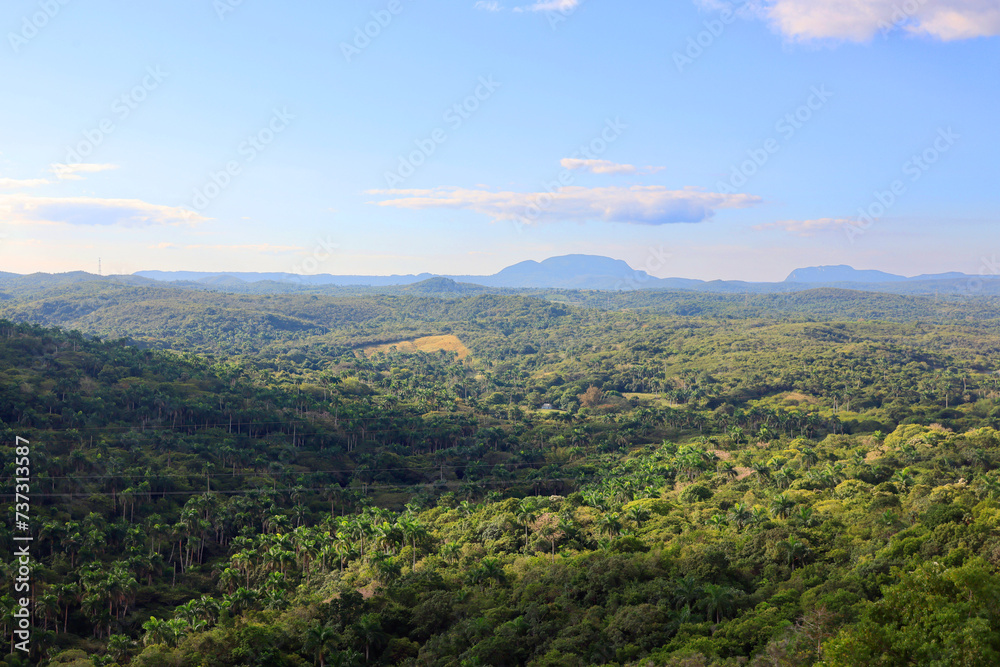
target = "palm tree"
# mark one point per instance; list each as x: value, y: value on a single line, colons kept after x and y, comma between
x: 208, y: 608
x: 340, y: 549
x: 47, y: 606
x: 187, y: 612
x: 739, y: 515
x: 369, y: 630
x: 450, y: 550
x: 727, y: 469
x: 491, y: 570
x: 717, y: 600
x: 157, y: 632
x: 525, y: 514
x: 320, y: 640
x: 413, y: 530
x: 784, y: 477
x: 809, y: 457
x: 549, y: 527
x: 717, y: 521
x: 835, y: 473
x: 794, y: 549
x: 761, y: 472
x: 610, y: 523
x: 781, y: 506
x: 638, y: 514
x: 241, y: 599
x: 903, y: 477
x: 119, y: 647
x: 686, y: 591
x: 805, y: 516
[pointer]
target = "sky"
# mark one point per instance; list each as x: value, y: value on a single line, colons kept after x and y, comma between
x: 691, y: 138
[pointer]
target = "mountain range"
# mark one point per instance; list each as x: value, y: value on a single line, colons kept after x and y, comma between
x: 593, y: 272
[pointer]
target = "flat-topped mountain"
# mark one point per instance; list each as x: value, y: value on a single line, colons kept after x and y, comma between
x: 840, y: 274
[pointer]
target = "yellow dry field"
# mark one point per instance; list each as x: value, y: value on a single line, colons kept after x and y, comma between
x: 801, y: 398
x: 447, y: 343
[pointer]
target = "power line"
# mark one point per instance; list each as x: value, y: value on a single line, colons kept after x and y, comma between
x: 366, y: 487
x: 221, y: 476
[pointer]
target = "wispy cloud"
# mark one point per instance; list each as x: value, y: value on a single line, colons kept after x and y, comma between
x: 598, y: 166
x: 485, y: 6
x: 644, y: 205
x: 860, y: 20
x: 18, y: 183
x: 554, y: 6
x: 807, y: 227
x: 71, y: 172
x: 91, y: 212
x: 605, y: 166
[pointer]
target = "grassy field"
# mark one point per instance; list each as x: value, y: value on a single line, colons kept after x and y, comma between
x: 448, y: 343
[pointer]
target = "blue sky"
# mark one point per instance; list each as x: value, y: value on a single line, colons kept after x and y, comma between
x: 694, y: 138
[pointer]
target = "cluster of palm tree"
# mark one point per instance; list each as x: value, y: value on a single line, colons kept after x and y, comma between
x: 276, y: 559
x: 716, y: 600
x: 107, y: 594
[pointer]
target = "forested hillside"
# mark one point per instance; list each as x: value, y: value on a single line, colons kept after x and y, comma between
x: 285, y: 480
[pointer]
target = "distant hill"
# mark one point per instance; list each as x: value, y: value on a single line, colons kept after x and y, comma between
x: 206, y: 277
x: 442, y: 287
x: 565, y: 272
x: 571, y: 272
x: 840, y: 274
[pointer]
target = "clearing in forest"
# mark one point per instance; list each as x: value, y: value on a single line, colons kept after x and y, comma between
x: 448, y: 343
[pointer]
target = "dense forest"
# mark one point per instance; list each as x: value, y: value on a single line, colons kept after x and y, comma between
x: 566, y: 478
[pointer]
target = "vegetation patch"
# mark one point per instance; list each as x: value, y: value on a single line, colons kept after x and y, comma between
x: 445, y: 343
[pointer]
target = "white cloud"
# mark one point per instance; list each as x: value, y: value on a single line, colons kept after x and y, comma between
x: 861, y: 20
x: 561, y: 6
x: 808, y: 227
x: 598, y: 166
x: 605, y: 166
x: 554, y: 6
x: 485, y: 6
x: 71, y: 172
x: 645, y: 205
x: 90, y: 212
x: 16, y: 183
